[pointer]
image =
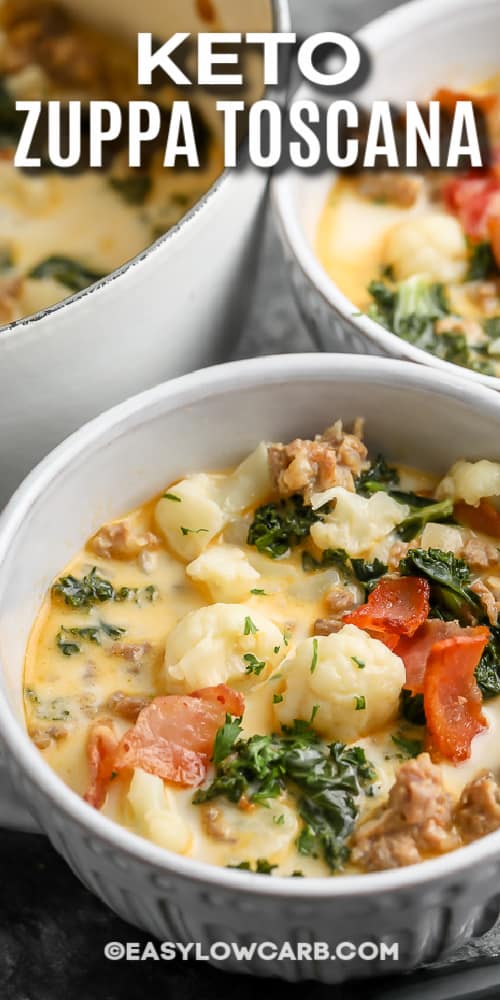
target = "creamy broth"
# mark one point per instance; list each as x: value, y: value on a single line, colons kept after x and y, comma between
x: 187, y: 593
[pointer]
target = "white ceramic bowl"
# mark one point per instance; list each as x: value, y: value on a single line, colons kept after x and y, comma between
x: 210, y: 419
x: 415, y: 49
x: 175, y: 307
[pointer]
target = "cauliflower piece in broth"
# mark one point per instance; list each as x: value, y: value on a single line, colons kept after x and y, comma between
x: 353, y: 679
x: 471, y: 481
x: 433, y: 245
x: 226, y: 572
x: 355, y: 524
x: 208, y: 647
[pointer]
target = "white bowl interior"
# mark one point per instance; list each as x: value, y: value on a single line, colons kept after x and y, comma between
x: 209, y: 420
x: 414, y: 49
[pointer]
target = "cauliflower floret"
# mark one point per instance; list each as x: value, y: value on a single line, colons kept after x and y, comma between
x: 248, y: 834
x: 433, y: 245
x: 208, y: 647
x: 355, y: 680
x: 190, y: 521
x: 197, y: 509
x: 355, y: 524
x: 250, y: 484
x: 156, y: 814
x: 226, y: 572
x: 441, y: 536
x: 471, y: 481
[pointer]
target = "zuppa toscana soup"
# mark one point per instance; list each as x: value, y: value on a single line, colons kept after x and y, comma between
x: 421, y: 253
x: 292, y: 667
x: 60, y: 230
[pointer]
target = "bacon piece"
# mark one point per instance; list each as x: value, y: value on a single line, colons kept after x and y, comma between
x: 414, y: 650
x: 395, y: 606
x: 452, y: 698
x: 448, y: 99
x: 474, y: 200
x: 483, y: 518
x: 173, y: 737
x: 101, y: 748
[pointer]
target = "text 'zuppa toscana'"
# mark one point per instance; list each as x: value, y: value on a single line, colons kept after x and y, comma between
x: 289, y: 668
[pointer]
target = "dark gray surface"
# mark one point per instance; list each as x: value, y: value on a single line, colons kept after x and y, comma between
x: 52, y: 931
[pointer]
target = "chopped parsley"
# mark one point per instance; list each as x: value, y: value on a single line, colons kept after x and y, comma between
x: 253, y: 665
x: 359, y: 663
x: 359, y: 702
x: 192, y: 531
x: 277, y: 698
x: 314, y: 661
x: 250, y: 627
x: 173, y: 497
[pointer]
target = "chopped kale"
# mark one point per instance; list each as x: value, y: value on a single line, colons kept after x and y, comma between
x: 380, y: 476
x: 410, y: 747
x: 133, y: 189
x: 69, y: 640
x: 91, y: 589
x: 449, y: 577
x: 482, y: 262
x: 67, y: 271
x: 325, y: 779
x: 488, y: 668
x: 421, y: 514
x: 368, y: 572
x: 412, y: 707
x: 279, y: 527
x: 329, y: 557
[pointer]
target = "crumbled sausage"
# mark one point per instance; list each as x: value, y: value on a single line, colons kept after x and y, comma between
x: 491, y: 605
x: 387, y: 185
x: 42, y: 738
x: 479, y: 554
x: 416, y: 822
x: 327, y: 626
x: 216, y: 826
x: 478, y: 811
x: 485, y: 295
x: 340, y: 599
x: 126, y: 706
x: 119, y: 541
x: 306, y: 467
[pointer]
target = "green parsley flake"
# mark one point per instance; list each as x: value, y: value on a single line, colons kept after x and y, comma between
x: 360, y: 702
x: 250, y: 626
x: 314, y: 661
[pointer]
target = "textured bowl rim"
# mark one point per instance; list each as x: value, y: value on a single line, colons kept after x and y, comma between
x: 281, y: 22
x: 122, y: 418
x: 387, y: 28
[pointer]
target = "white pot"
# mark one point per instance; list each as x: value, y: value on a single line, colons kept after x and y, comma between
x: 414, y: 49
x: 176, y: 306
x: 209, y: 420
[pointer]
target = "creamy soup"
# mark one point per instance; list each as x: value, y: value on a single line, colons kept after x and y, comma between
x: 60, y: 231
x: 421, y: 253
x: 291, y: 667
